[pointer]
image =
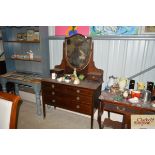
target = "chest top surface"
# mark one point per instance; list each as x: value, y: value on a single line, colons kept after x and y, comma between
x: 93, y: 85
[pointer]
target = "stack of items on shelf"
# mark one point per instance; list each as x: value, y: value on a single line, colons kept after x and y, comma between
x: 29, y: 35
x: 143, y: 93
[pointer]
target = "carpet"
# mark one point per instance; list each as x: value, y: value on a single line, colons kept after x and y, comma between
x: 55, y: 119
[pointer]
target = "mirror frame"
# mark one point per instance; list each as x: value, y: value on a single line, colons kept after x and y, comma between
x: 79, y: 52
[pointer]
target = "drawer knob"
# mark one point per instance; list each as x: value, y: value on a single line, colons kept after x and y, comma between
x: 77, y: 106
x: 93, y: 77
x: 78, y: 98
x: 53, y: 86
x: 78, y: 91
x: 53, y: 101
x: 53, y: 93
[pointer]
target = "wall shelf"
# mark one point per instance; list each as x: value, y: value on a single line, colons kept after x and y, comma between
x: 27, y: 59
x: 113, y: 37
x: 17, y: 58
x: 23, y: 41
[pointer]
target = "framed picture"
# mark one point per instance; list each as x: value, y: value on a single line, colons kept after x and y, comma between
x: 148, y: 30
x: 113, y: 30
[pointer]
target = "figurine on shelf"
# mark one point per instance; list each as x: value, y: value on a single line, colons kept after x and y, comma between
x: 75, y: 73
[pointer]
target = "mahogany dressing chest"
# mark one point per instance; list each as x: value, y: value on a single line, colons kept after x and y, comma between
x: 82, y: 97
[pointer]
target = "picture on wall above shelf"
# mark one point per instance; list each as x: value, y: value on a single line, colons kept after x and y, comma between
x: 113, y: 30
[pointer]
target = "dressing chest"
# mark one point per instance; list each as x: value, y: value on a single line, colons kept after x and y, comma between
x: 82, y: 97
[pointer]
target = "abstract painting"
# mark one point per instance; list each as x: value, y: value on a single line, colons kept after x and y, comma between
x: 71, y: 30
x: 113, y: 30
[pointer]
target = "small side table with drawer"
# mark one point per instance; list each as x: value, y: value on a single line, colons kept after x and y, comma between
x: 124, y: 107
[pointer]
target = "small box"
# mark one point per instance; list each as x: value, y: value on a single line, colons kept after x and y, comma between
x: 94, y: 76
x: 36, y: 35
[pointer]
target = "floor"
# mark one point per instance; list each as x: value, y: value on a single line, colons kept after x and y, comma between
x: 55, y: 119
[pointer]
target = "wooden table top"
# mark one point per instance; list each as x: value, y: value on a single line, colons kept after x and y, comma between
x: 26, y: 77
x: 110, y: 97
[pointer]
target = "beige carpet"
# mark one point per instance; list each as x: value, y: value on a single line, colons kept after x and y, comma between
x: 55, y: 119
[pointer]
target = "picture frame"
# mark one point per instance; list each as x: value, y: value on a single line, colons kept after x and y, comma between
x: 113, y: 30
x: 148, y: 30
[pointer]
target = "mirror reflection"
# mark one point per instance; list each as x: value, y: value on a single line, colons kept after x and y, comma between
x: 78, y: 51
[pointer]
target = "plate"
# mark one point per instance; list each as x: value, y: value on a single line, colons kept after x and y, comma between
x: 133, y: 100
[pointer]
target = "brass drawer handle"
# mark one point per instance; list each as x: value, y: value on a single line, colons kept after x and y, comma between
x: 120, y: 109
x: 77, y: 106
x: 78, y: 91
x: 53, y: 101
x: 53, y: 93
x: 93, y: 77
x: 78, y: 98
x: 53, y: 86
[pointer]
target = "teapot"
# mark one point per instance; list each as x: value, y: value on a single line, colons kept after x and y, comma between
x: 122, y: 82
x: 111, y: 81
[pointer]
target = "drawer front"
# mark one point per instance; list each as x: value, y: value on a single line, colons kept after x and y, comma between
x: 68, y: 104
x: 48, y: 86
x: 120, y: 109
x: 78, y: 107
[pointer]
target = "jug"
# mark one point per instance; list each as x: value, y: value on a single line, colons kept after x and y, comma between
x: 111, y: 81
x: 140, y: 86
x: 122, y: 82
x: 146, y: 96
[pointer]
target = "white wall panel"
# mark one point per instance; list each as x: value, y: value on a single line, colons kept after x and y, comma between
x: 116, y: 57
x: 56, y: 52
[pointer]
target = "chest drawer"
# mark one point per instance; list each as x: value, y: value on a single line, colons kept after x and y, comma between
x: 68, y: 104
x: 79, y: 107
x: 65, y: 89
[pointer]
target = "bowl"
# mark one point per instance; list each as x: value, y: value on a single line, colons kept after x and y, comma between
x: 135, y: 94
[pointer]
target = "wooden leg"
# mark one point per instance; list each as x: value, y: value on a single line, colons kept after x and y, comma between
x: 37, y: 89
x: 100, y: 112
x: 92, y: 120
x: 128, y: 121
x: 124, y: 122
x: 44, y: 111
x: 108, y: 114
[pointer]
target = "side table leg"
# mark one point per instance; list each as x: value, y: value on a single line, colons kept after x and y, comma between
x: 16, y: 89
x: 3, y: 82
x: 100, y: 112
x: 37, y: 89
x: 92, y: 120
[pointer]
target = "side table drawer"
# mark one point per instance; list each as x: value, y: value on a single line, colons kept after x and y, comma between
x: 122, y: 109
x: 115, y: 108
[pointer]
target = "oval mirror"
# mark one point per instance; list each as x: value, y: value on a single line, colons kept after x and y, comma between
x: 78, y: 51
